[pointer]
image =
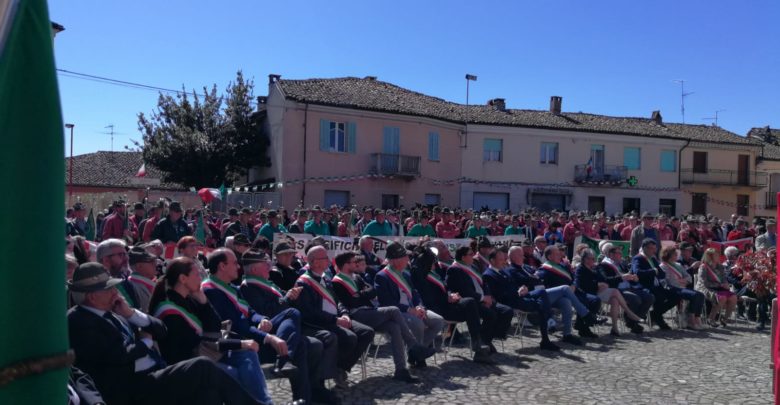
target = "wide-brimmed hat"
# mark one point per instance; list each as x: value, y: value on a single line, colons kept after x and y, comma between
x: 283, y: 248
x: 395, y: 250
x: 251, y: 257
x: 138, y: 254
x: 91, y: 276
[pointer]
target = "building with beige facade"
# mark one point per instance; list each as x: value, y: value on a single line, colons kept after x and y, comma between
x: 367, y: 142
x: 769, y: 163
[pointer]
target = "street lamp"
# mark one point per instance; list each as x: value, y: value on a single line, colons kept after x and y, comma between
x: 469, y: 78
x: 70, y: 165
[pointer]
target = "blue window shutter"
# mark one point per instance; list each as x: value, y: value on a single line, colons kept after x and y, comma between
x: 351, y: 137
x: 631, y: 158
x: 433, y: 146
x: 668, y: 161
x: 391, y: 140
x: 324, y: 135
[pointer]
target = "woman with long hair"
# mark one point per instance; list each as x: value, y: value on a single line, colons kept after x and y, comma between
x: 194, y: 328
x: 711, y: 282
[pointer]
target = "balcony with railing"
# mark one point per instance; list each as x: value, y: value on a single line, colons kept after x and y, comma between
x: 724, y: 177
x: 395, y: 165
x: 607, y: 175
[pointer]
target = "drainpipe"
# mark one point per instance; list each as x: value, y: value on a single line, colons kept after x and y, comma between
x: 305, y: 127
x: 679, y: 164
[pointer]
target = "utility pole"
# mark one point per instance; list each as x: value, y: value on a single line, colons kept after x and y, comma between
x: 469, y: 78
x: 683, y: 94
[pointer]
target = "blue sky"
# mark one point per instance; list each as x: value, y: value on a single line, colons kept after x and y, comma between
x: 605, y: 57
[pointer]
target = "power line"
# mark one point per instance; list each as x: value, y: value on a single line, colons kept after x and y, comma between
x: 124, y: 83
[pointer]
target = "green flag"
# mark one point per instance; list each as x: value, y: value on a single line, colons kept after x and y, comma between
x: 33, y: 149
x: 594, y: 244
x: 89, y: 233
x: 200, y: 233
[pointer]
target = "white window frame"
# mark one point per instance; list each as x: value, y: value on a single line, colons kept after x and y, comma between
x: 337, y: 137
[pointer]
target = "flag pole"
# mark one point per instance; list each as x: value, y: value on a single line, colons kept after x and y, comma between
x: 34, y: 352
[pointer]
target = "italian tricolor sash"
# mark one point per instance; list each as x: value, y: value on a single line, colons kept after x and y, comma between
x: 266, y: 285
x: 473, y: 274
x: 122, y: 290
x: 676, y: 268
x: 715, y: 276
x: 322, y: 291
x: 167, y: 308
x: 346, y: 282
x: 650, y: 261
x: 139, y: 279
x: 213, y: 283
x: 435, y: 280
x: 611, y: 265
x: 400, y: 281
x: 444, y: 265
x: 557, y: 270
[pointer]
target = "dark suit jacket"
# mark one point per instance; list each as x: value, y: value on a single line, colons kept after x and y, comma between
x: 523, y: 276
x: 647, y: 275
x: 460, y: 282
x: 263, y: 302
x: 310, y: 305
x: 389, y: 294
x: 101, y: 353
x: 588, y: 280
x: 365, y: 294
x: 502, y: 287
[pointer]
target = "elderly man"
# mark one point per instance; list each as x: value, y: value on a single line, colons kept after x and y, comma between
x: 114, y: 344
x: 143, y: 266
x: 768, y: 239
x: 173, y: 227
x: 283, y: 274
x: 357, y: 296
x: 112, y: 254
x: 267, y: 299
x: 322, y: 316
x: 394, y: 288
x: 652, y: 277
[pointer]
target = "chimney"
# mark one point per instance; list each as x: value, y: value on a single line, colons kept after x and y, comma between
x: 498, y: 104
x: 272, y: 78
x: 372, y: 78
x: 657, y: 117
x: 555, y: 104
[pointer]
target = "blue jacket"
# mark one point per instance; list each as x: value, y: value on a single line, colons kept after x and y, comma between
x: 588, y: 280
x: 388, y: 292
x: 245, y: 327
x: 460, y: 282
x: 648, y: 277
x: 523, y: 276
x: 502, y: 287
x: 309, y: 302
x: 550, y: 279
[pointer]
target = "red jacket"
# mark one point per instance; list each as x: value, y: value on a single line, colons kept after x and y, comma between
x: 114, y: 227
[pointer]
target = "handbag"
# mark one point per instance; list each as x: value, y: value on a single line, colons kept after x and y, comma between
x: 209, y: 344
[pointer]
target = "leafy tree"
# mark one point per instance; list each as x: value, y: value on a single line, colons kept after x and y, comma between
x: 196, y: 142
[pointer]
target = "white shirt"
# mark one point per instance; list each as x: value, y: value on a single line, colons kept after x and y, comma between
x: 138, y: 319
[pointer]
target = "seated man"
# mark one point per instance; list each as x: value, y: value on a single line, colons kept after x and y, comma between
x: 500, y: 283
x: 463, y: 279
x: 267, y: 299
x: 394, y: 288
x: 552, y: 274
x: 357, y: 297
x: 114, y: 344
x: 283, y: 274
x: 143, y: 275
x: 324, y: 320
x: 618, y: 276
x: 652, y: 277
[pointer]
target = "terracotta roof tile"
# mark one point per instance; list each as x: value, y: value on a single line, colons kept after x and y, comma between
x: 112, y: 169
x: 770, y: 140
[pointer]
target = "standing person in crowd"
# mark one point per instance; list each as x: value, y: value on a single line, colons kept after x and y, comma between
x: 678, y: 280
x: 446, y: 228
x: 117, y: 225
x: 394, y: 288
x: 300, y: 221
x: 143, y: 266
x: 423, y: 228
x: 616, y: 275
x: 571, y: 230
x: 272, y: 226
x: 193, y: 327
x: 477, y: 229
x: 712, y: 282
x: 357, y: 297
x: 146, y: 226
x: 740, y: 231
x: 643, y: 231
x: 652, y: 277
x: 367, y: 216
x: 768, y: 239
x: 514, y: 227
x: 268, y: 300
x: 378, y: 227
x: 114, y: 344
x: 663, y: 230
x: 242, y: 226
x: 139, y: 214
x: 464, y: 279
x: 316, y: 225
x: 173, y: 227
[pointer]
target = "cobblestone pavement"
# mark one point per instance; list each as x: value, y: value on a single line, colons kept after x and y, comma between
x: 715, y: 366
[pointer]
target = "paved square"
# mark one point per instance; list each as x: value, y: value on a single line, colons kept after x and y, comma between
x: 715, y: 366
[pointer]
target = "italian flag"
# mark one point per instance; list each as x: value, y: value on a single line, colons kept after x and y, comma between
x: 32, y: 153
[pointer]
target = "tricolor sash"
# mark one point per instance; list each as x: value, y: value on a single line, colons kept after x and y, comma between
x: 400, y: 281
x: 649, y: 261
x: 328, y: 301
x: 346, y: 282
x: 122, y: 290
x: 167, y: 308
x: 612, y: 266
x: 139, y: 279
x: 212, y: 283
x: 677, y: 269
x: 714, y: 275
x: 435, y: 280
x: 473, y: 274
x: 264, y: 284
x: 444, y: 265
x: 557, y: 270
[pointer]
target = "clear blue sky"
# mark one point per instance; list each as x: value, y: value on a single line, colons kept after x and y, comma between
x: 604, y: 57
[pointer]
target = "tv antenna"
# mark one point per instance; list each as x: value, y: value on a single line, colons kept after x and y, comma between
x: 715, y: 118
x: 111, y: 132
x: 683, y: 94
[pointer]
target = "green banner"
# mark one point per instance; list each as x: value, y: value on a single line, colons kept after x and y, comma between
x: 594, y: 244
